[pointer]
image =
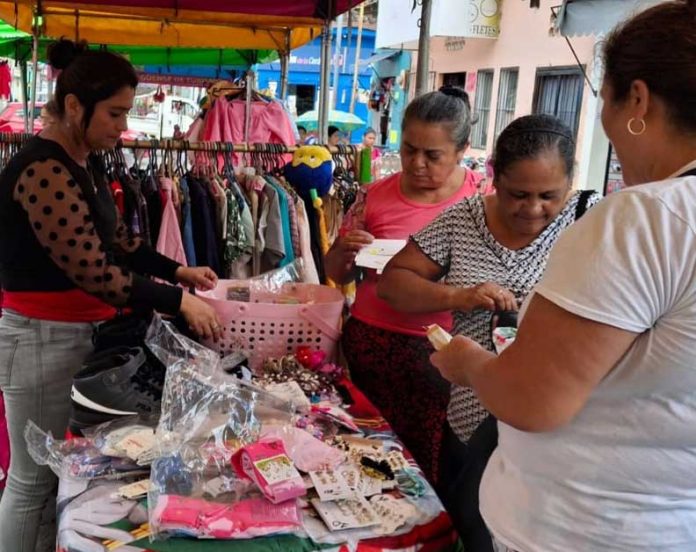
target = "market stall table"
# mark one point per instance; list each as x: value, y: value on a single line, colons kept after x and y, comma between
x: 436, y: 535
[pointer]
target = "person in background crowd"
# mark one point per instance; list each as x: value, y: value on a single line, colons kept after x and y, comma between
x: 67, y: 262
x: 387, y: 351
x: 303, y: 134
x: 368, y: 141
x: 486, y: 254
x: 178, y: 134
x: 334, y: 136
x: 595, y: 398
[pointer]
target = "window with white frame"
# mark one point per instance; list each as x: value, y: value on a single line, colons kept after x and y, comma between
x: 482, y: 108
x: 507, y: 98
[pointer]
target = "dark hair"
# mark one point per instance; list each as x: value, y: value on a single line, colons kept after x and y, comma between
x: 531, y: 136
x: 300, y: 127
x: 449, y: 106
x: 370, y: 130
x: 91, y: 75
x: 657, y: 46
x: 333, y: 130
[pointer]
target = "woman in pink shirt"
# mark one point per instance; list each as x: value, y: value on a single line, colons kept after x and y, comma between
x: 387, y: 351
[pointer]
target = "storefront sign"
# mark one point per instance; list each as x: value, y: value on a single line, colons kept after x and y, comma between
x: 397, y: 25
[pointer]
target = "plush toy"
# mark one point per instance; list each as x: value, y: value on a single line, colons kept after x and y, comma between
x: 310, y: 169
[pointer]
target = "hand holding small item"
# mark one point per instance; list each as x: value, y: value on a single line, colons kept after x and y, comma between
x: 453, y: 359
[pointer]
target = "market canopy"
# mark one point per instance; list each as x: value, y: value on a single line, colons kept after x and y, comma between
x: 18, y: 44
x: 241, y: 24
x: 596, y: 17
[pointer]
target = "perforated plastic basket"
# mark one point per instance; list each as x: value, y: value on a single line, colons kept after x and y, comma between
x: 268, y: 330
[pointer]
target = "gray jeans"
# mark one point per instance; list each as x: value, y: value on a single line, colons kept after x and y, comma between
x: 38, y: 359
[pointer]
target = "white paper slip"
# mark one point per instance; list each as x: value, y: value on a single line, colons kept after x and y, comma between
x: 379, y: 253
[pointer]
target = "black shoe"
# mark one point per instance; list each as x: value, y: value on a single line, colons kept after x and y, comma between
x: 122, y: 331
x: 111, y: 384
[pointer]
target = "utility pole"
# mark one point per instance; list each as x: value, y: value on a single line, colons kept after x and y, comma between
x: 337, y: 61
x: 356, y: 69
x: 423, y: 67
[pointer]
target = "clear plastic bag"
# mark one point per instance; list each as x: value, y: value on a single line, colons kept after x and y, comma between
x: 273, y: 281
x: 207, y: 416
x: 76, y: 458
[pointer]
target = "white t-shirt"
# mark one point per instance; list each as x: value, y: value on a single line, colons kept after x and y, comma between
x: 622, y: 475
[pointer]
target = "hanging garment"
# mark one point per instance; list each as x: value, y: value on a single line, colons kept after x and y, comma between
x: 119, y: 199
x: 5, y: 81
x: 311, y: 274
x: 235, y: 238
x: 273, y: 254
x: 284, y: 222
x: 187, y: 223
x: 203, y: 219
x: 169, y: 242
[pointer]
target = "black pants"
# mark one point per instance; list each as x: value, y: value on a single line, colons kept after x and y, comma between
x: 461, y: 470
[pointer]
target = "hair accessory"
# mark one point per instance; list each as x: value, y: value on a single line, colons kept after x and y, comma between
x: 629, y: 126
x: 410, y: 483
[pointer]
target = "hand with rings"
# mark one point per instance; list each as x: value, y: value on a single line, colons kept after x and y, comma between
x: 200, y: 316
x: 487, y: 296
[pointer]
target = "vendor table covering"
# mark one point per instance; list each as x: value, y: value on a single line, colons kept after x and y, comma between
x: 437, y: 535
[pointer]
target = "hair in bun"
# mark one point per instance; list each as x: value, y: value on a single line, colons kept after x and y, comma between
x: 63, y: 52
x: 456, y: 92
x: 90, y: 75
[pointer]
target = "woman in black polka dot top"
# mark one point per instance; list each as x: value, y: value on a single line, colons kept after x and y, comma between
x: 68, y: 262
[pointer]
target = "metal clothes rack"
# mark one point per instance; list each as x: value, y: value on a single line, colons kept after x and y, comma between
x: 185, y: 145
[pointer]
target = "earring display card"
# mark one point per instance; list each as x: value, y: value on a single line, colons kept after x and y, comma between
x: 359, y: 482
x: 392, y: 512
x: 346, y: 514
x: 331, y: 485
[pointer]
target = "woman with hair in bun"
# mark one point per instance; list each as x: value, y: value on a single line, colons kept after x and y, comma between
x: 67, y: 263
x: 484, y: 255
x: 386, y: 350
x: 596, y: 398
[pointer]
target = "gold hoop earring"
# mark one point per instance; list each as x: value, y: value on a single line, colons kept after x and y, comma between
x: 629, y: 126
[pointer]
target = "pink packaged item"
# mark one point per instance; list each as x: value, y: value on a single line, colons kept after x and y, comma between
x: 242, y: 520
x: 267, y: 464
x: 4, y: 446
x: 306, y: 451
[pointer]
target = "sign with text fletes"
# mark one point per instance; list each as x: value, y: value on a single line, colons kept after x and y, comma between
x: 398, y: 25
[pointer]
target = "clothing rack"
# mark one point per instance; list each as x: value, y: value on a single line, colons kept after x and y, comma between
x: 222, y: 147
x: 17, y: 138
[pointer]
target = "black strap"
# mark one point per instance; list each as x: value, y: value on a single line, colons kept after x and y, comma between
x: 692, y: 172
x: 581, y: 207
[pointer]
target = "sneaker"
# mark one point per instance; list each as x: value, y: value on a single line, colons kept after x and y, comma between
x: 129, y: 331
x: 111, y: 384
x: 122, y: 331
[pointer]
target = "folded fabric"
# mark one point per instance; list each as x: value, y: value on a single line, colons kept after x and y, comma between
x: 250, y: 518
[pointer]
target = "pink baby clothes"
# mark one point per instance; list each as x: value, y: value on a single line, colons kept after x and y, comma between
x: 169, y: 242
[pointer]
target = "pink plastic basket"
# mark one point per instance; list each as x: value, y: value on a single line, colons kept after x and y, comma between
x: 268, y: 330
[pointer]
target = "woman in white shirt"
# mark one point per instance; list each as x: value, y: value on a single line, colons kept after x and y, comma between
x: 596, y: 399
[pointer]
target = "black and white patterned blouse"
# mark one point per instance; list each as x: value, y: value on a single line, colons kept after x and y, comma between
x: 460, y: 242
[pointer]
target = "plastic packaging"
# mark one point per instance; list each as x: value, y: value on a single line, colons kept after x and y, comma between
x: 438, y: 337
x: 75, y: 458
x: 207, y: 416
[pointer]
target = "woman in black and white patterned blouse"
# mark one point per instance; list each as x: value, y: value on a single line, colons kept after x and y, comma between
x: 482, y: 255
